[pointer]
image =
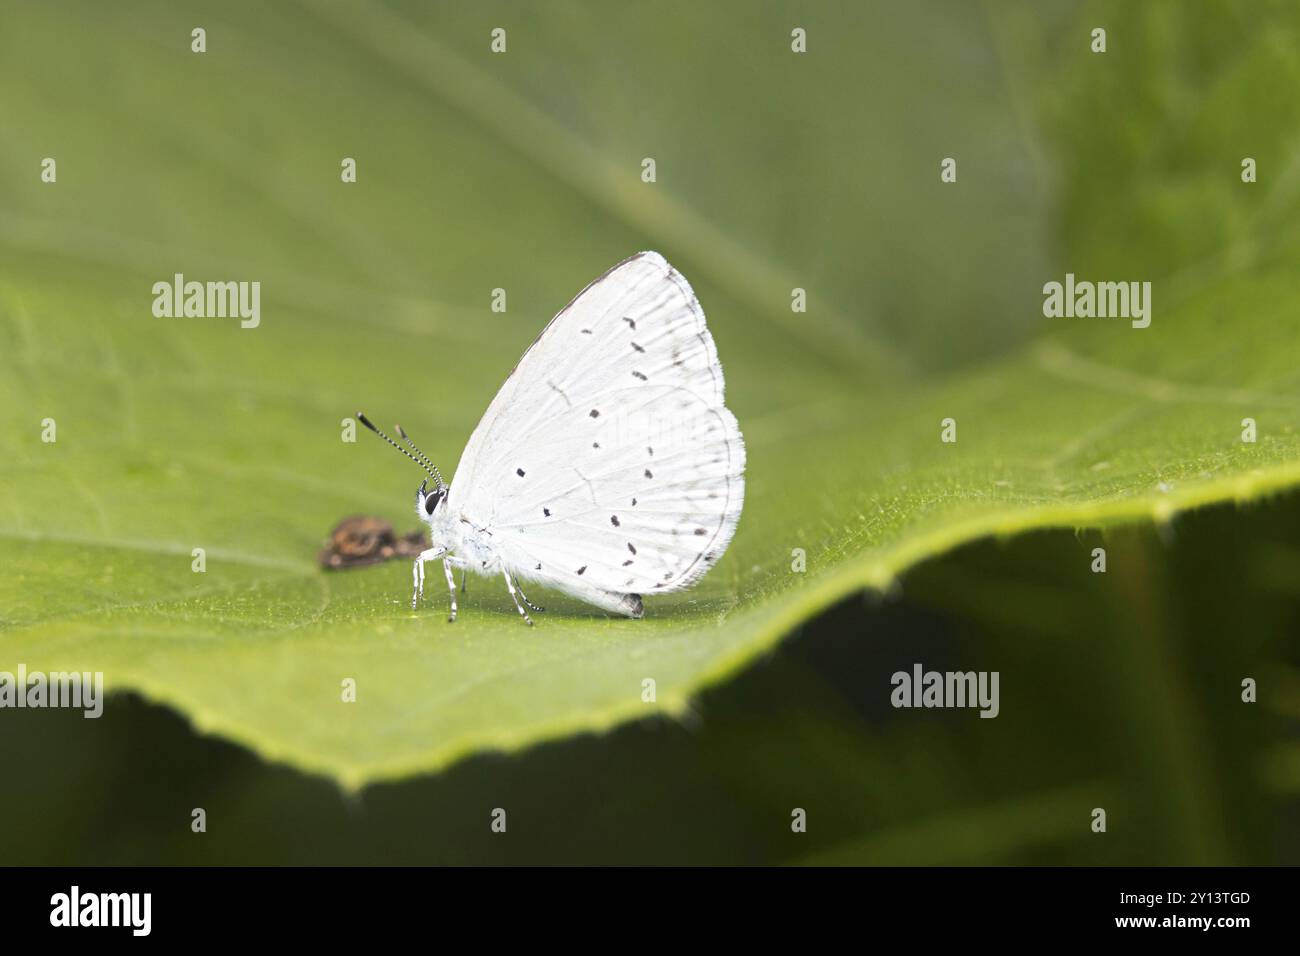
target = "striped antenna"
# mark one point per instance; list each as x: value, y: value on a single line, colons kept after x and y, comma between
x: 433, y: 469
x: 371, y: 425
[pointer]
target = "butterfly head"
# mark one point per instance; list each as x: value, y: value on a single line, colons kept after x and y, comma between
x: 426, y: 499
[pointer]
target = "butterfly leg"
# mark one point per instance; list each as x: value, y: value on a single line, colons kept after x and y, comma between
x: 514, y: 596
x: 451, y: 586
x: 417, y: 573
x: 524, y: 598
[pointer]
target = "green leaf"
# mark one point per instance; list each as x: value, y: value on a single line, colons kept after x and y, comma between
x: 522, y: 171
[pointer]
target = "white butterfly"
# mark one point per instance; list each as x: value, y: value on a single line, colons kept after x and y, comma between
x: 607, y: 466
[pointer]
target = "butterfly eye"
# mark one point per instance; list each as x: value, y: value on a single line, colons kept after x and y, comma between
x: 431, y: 502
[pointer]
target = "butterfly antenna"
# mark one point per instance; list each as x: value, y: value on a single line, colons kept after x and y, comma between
x: 437, y: 475
x: 371, y: 425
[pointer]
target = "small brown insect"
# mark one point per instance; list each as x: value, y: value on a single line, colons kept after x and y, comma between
x: 362, y: 540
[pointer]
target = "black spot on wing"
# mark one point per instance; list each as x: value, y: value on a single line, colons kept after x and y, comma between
x: 595, y: 413
x: 630, y: 322
x: 519, y: 472
x: 641, y: 376
x: 631, y: 547
x: 649, y: 473
x: 581, y: 569
x: 613, y: 519
x: 637, y: 347
x: 546, y: 512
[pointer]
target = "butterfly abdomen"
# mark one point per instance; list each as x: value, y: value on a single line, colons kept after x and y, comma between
x: 631, y: 605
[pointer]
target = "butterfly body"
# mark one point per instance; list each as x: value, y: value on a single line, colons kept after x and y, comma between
x: 608, y: 466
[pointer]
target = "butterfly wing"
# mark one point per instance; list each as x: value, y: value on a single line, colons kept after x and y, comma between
x: 608, y: 466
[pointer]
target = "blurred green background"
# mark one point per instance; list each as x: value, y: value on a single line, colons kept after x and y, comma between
x: 774, y: 171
